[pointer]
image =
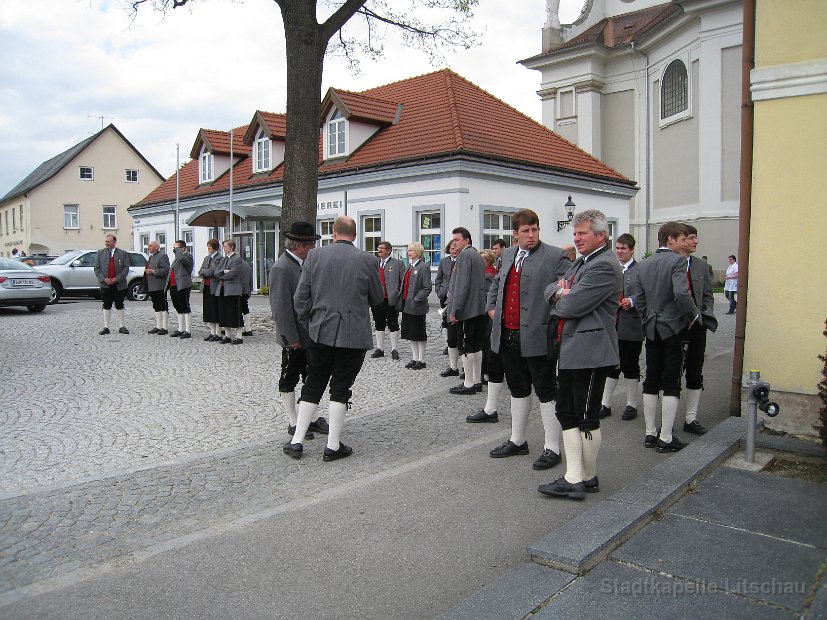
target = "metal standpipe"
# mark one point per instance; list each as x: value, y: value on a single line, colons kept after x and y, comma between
x: 758, y: 398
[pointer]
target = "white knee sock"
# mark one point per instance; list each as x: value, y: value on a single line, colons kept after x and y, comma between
x: 420, y: 344
x: 608, y: 390
x: 180, y: 318
x: 650, y: 413
x: 107, y: 317
x: 305, y: 415
x: 214, y: 329
x: 453, y: 358
x: 692, y: 398
x: 157, y: 320
x: 669, y: 410
x: 288, y: 401
x: 590, y: 449
x: 476, y: 359
x: 336, y: 412
x: 187, y: 322
x: 632, y: 392
x: 394, y: 341
x: 468, y: 369
x: 520, y: 408
x: 573, y: 444
x: 119, y: 317
x: 248, y: 322
x: 380, y: 340
x: 494, y: 390
x: 164, y: 319
x: 551, y: 426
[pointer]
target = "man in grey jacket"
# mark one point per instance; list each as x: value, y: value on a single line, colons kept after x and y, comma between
x: 338, y: 285
x: 391, y: 271
x: 292, y: 335
x: 180, y: 285
x: 111, y: 270
x: 156, y: 275
x: 584, y: 303
x: 519, y: 333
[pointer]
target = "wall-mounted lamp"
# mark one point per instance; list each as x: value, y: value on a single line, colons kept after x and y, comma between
x: 561, y: 224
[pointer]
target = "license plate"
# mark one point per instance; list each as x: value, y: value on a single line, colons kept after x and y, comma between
x: 22, y: 282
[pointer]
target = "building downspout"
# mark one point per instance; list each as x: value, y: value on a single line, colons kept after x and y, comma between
x: 745, y: 208
x: 646, y: 157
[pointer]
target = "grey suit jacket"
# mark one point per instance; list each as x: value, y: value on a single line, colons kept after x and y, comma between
x: 157, y: 280
x: 466, y: 291
x: 231, y: 272
x: 339, y: 283
x: 394, y: 272
x: 283, y: 281
x: 443, y: 278
x: 629, y: 326
x: 419, y: 288
x: 246, y: 278
x: 589, y: 339
x: 544, y: 265
x: 662, y: 296
x: 121, y: 267
x: 208, y: 266
x: 182, y: 268
x: 700, y: 272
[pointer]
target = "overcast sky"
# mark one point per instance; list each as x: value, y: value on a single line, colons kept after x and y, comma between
x: 210, y: 64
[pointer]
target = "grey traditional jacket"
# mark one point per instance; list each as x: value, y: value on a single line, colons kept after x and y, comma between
x: 589, y: 338
x: 443, y: 278
x: 182, y: 268
x: 629, y: 326
x: 283, y: 282
x: 394, y: 272
x: 662, y: 296
x: 246, y: 278
x: 701, y: 274
x: 339, y: 283
x: 207, y: 270
x: 157, y: 280
x: 230, y: 271
x: 419, y: 287
x: 121, y: 267
x: 466, y: 291
x: 544, y: 265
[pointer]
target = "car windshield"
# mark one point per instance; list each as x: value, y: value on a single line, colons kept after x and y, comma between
x: 14, y: 265
x: 65, y: 259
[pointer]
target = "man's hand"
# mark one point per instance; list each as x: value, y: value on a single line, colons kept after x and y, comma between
x: 453, y: 319
x: 295, y: 345
x: 626, y: 304
x: 491, y: 314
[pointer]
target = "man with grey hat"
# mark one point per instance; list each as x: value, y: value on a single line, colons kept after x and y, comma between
x: 284, y: 278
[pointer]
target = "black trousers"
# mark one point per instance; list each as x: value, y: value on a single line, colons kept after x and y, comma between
x: 664, y: 358
x: 492, y: 363
x: 180, y: 299
x: 293, y: 368
x: 245, y: 305
x: 521, y: 373
x: 451, y: 333
x: 110, y: 294
x: 694, y: 358
x: 336, y: 365
x: 159, y: 300
x: 629, y: 359
x: 471, y: 334
x: 579, y: 394
x: 385, y: 315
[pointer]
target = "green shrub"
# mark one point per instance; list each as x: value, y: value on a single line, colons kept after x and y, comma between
x: 264, y: 290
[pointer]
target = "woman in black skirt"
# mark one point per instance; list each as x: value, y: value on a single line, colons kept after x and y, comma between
x: 414, y: 304
x: 229, y: 294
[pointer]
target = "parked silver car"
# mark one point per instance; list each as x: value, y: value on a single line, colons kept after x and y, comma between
x: 74, y: 274
x: 20, y: 285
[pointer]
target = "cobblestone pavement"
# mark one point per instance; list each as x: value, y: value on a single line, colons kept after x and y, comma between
x: 115, y: 445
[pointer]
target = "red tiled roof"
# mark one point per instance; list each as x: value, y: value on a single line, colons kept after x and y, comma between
x: 443, y: 114
x: 358, y: 106
x: 275, y: 125
x: 218, y: 142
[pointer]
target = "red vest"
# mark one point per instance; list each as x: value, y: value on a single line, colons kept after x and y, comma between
x: 511, y: 303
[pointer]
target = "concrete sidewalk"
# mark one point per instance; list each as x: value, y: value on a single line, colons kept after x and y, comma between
x: 694, y: 538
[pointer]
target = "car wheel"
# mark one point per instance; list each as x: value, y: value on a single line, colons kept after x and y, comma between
x: 37, y: 308
x: 56, y: 294
x: 135, y: 292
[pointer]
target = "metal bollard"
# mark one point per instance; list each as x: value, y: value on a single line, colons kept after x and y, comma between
x: 758, y: 398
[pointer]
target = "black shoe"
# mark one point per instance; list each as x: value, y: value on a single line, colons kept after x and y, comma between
x: 673, y: 446
x: 418, y: 366
x: 694, y: 428
x: 410, y: 364
x: 605, y: 412
x: 395, y: 355
x: 462, y: 390
x: 650, y: 441
x: 548, y: 459
x: 334, y: 455
x: 237, y: 341
x: 246, y: 333
x: 226, y: 340
x: 508, y: 449
x: 154, y: 330
x: 209, y: 338
x: 592, y: 485
x: 123, y: 330
x: 162, y: 332
x: 103, y: 332
x: 477, y: 387
x: 378, y: 353
x: 291, y: 430
x: 185, y: 335
x: 449, y: 372
x: 174, y: 334
x: 481, y: 416
x: 630, y: 413
x: 563, y: 488
x: 293, y: 450
x: 319, y: 425
x: 445, y: 351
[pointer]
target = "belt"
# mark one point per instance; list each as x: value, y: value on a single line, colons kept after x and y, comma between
x: 511, y: 337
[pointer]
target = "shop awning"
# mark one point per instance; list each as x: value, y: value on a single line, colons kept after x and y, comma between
x: 216, y: 215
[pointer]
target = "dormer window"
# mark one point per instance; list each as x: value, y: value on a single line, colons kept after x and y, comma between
x: 262, y: 150
x: 336, y: 135
x: 205, y: 165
